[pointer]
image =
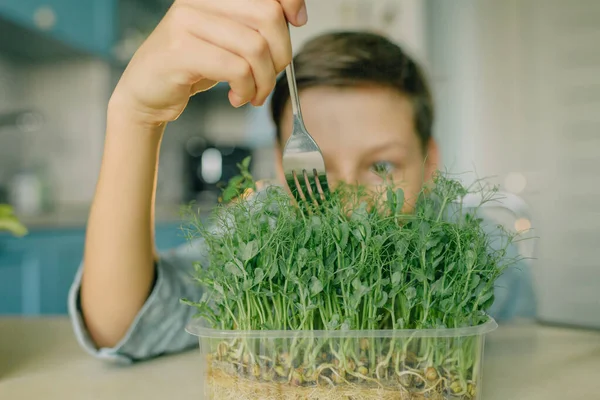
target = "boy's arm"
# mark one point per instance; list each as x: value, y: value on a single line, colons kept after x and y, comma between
x: 159, y: 326
x: 197, y: 44
x: 119, y: 252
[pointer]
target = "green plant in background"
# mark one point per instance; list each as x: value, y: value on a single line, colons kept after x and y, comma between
x: 357, y: 263
x: 9, y: 222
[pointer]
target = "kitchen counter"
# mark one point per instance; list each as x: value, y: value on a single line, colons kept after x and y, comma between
x: 40, y: 359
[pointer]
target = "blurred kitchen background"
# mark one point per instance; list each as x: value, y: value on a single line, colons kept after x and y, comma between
x: 517, y: 87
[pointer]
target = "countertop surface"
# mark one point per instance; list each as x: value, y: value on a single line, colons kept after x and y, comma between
x: 40, y: 359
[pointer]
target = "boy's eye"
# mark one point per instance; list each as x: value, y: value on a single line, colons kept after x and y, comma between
x: 383, y: 168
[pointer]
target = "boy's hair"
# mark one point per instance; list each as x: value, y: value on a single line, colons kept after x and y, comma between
x: 347, y: 59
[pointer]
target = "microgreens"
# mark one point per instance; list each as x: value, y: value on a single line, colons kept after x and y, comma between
x: 350, y: 265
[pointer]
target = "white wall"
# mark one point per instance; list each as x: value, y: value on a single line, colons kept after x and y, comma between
x: 72, y: 95
x: 517, y: 88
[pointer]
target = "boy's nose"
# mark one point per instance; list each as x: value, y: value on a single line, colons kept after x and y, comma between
x: 336, y: 177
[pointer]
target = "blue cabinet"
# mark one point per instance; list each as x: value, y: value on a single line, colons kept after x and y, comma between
x: 87, y: 25
x: 36, y: 271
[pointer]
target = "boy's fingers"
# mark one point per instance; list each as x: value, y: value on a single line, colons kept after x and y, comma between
x: 242, y: 41
x: 203, y: 60
x: 272, y: 25
x: 295, y: 11
x: 264, y: 16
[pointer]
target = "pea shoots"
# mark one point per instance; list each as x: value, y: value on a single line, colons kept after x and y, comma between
x: 358, y: 263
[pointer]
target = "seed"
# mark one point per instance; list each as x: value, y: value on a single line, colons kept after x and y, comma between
x: 256, y: 370
x: 471, y: 390
x: 431, y: 374
x: 350, y: 365
x: 324, y: 356
x: 310, y: 376
x: 456, y: 387
x: 406, y: 380
x: 279, y: 370
x: 336, y: 363
x: 246, y: 358
x: 284, y: 358
x: 268, y: 375
x: 339, y: 377
x: 363, y: 370
x: 297, y: 379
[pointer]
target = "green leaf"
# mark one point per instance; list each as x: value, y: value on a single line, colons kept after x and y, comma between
x: 399, y: 201
x: 307, y: 234
x: 396, y: 277
x: 431, y: 243
x: 334, y: 322
x: 234, y: 270
x: 486, y: 299
x: 273, y: 270
x: 246, y: 163
x: 470, y: 258
x: 446, y: 305
x: 419, y: 276
x: 381, y: 300
x: 437, y: 261
x: 391, y: 199
x: 475, y: 279
x: 229, y: 194
x: 10, y: 223
x: 249, y: 250
x: 236, y: 181
x: 259, y: 275
x: 437, y: 287
x: 337, y: 234
x: 316, y: 286
x: 410, y: 293
x: 219, y: 289
x: 345, y: 234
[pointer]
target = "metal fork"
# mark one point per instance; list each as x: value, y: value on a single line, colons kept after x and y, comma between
x: 303, y: 162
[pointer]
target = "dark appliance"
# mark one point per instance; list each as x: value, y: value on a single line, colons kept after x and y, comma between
x: 209, y: 166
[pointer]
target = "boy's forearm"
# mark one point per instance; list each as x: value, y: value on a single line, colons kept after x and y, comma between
x: 119, y: 250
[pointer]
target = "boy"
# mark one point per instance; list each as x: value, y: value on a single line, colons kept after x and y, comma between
x: 365, y: 102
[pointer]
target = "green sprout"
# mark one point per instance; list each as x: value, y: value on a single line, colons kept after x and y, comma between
x: 9, y: 222
x: 359, y: 262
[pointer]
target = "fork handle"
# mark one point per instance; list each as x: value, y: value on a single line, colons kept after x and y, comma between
x: 295, y: 99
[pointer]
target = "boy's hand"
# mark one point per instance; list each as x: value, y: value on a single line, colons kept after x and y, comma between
x: 201, y: 42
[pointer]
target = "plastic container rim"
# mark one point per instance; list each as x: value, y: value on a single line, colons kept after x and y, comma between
x: 197, y: 327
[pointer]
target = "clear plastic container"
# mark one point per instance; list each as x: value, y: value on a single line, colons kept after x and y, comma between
x: 384, y: 364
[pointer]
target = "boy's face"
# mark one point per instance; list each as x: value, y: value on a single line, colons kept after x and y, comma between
x: 362, y: 130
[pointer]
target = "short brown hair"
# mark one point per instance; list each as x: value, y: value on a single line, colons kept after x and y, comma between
x: 353, y: 59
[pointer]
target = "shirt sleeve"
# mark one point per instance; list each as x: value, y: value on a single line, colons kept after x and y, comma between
x: 513, y: 290
x: 159, y: 327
